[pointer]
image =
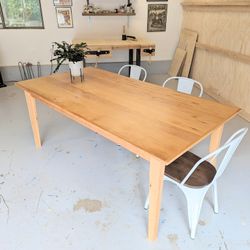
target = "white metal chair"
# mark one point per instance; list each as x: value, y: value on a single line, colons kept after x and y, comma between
x: 135, y: 71
x: 185, y: 85
x: 194, y: 176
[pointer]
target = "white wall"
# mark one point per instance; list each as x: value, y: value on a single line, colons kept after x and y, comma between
x: 34, y: 45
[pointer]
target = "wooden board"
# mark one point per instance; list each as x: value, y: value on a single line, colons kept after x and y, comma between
x: 151, y: 121
x: 113, y: 44
x: 217, y: 5
x: 177, y: 62
x: 221, y: 62
x: 224, y: 52
x: 117, y: 44
x: 187, y: 42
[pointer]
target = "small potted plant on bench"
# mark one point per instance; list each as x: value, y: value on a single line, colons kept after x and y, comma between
x: 74, y: 53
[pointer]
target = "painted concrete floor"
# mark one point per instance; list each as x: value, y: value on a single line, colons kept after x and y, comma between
x: 83, y: 192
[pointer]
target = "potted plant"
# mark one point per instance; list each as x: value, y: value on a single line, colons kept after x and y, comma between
x: 74, y: 53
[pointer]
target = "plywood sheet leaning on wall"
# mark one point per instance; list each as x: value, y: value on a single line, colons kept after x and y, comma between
x: 177, y: 62
x: 233, y: 86
x: 222, y: 57
x: 187, y: 42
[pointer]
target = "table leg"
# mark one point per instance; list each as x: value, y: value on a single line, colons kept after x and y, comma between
x: 138, y: 57
x: 1, y: 81
x: 155, y: 192
x: 31, y: 103
x: 131, y: 56
x: 131, y: 60
x: 215, y: 141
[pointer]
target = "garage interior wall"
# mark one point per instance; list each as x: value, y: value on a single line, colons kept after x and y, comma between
x: 35, y: 45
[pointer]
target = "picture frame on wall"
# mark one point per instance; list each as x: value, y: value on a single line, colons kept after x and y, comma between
x: 64, y: 17
x: 62, y: 2
x: 157, y: 17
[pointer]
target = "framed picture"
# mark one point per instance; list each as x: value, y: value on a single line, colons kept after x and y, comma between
x: 62, y: 2
x: 157, y: 17
x: 64, y: 17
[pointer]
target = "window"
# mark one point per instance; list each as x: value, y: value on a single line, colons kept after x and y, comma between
x: 20, y: 14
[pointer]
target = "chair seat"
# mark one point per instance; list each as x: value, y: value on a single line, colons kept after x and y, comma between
x: 201, y: 177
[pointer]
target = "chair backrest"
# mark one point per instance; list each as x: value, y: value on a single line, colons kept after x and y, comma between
x: 185, y: 85
x: 135, y: 71
x: 228, y: 149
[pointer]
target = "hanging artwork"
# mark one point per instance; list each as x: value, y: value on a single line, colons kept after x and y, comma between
x: 62, y: 2
x: 157, y: 17
x: 64, y: 17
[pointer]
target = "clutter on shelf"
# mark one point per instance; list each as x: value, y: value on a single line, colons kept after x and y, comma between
x: 91, y: 9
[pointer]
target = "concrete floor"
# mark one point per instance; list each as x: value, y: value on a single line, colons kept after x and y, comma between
x: 81, y: 191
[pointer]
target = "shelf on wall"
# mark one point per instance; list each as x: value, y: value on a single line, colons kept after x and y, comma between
x: 108, y: 14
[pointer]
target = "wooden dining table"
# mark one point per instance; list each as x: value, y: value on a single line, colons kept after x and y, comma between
x: 158, y: 124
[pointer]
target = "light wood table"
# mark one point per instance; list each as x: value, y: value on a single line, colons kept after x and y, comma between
x: 156, y: 123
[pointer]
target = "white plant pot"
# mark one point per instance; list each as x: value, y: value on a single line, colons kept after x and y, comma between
x: 76, y: 68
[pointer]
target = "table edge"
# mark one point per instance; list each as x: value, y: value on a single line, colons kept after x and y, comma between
x: 114, y: 138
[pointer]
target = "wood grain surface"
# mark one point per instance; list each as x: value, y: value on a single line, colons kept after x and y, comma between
x: 116, y: 44
x: 151, y: 121
x: 177, y: 62
x: 180, y: 168
x: 222, y: 60
x: 187, y: 42
x: 224, y: 3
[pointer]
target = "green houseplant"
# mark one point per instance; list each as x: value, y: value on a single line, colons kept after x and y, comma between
x: 74, y: 53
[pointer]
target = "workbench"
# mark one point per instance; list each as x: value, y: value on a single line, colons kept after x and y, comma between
x: 104, y: 48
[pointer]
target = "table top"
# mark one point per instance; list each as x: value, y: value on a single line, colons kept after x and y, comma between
x: 116, y: 43
x: 148, y: 120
